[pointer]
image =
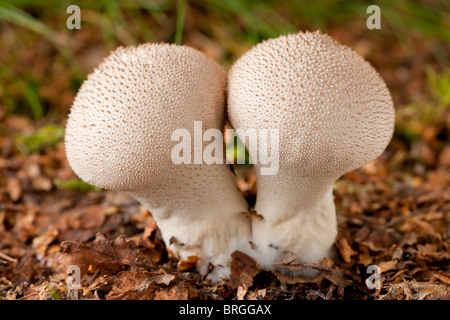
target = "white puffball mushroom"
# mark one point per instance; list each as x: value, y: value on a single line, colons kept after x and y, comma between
x: 118, y: 137
x: 334, y: 113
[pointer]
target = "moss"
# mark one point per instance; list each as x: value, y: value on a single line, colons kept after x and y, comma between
x: 46, y: 137
x: 75, y: 184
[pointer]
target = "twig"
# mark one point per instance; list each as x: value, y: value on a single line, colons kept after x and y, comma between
x: 94, y: 276
x: 7, y: 258
x: 297, y: 266
x: 208, y: 271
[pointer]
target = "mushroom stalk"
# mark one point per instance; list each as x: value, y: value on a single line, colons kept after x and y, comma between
x: 203, y: 220
x: 298, y: 216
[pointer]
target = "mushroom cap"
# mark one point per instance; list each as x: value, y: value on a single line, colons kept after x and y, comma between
x: 118, y: 135
x: 332, y: 108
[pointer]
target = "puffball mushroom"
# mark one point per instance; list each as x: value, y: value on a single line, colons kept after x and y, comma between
x: 118, y: 137
x: 334, y: 114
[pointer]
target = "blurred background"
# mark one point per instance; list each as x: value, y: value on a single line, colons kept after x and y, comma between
x: 43, y: 63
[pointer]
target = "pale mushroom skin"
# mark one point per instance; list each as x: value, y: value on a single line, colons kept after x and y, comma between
x: 118, y: 137
x: 334, y: 113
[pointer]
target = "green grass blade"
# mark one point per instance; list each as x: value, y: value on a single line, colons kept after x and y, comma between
x: 22, y: 19
x: 180, y: 21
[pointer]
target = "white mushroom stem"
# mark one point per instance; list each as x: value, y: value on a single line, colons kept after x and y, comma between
x: 299, y: 216
x: 198, y: 213
x: 334, y: 114
x: 118, y: 137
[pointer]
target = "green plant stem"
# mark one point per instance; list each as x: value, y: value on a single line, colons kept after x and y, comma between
x: 180, y: 21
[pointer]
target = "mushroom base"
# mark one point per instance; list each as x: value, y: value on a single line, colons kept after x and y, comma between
x: 212, y: 236
x: 309, y: 235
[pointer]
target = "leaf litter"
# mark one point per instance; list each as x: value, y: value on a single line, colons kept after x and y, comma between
x: 397, y: 222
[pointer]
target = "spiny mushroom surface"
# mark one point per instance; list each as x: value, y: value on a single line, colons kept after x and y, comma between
x: 118, y: 137
x: 334, y: 114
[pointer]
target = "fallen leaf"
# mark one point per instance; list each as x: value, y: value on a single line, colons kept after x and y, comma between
x: 338, y: 277
x: 93, y: 217
x: 150, y: 227
x: 176, y: 292
x: 14, y: 189
x: 132, y: 285
x: 243, y: 269
x: 164, y: 278
x: 442, y: 276
x: 414, y: 291
x: 241, y: 292
x: 361, y: 234
x: 387, y: 266
x: 41, y: 243
x: 188, y: 264
x: 286, y: 279
x: 290, y: 262
x: 42, y: 183
x: 425, y: 226
x: 345, y: 250
x: 107, y: 256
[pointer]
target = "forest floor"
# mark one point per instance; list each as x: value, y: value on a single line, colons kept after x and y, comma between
x: 394, y: 219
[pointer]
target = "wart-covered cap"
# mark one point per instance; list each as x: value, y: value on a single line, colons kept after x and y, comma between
x: 333, y: 110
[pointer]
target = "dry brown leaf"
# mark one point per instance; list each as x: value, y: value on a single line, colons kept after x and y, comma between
x: 42, y: 183
x: 241, y: 292
x: 345, y: 250
x: 438, y: 195
x: 361, y: 234
x: 41, y: 243
x: 365, y: 259
x: 409, y: 239
x: 38, y: 292
x: 290, y: 262
x: 150, y: 227
x: 378, y: 240
x: 334, y: 275
x: 283, y: 278
x: 256, y: 295
x: 104, y: 283
x: 107, y: 256
x: 423, y: 225
x: 414, y: 291
x: 427, y: 248
x: 188, y: 264
x: 261, y: 293
x: 243, y: 269
x: 387, y: 266
x: 444, y: 277
x: 176, y: 292
x: 14, y: 189
x: 133, y: 285
x: 164, y: 278
x: 93, y: 217
x: 338, y: 277
x: 146, y: 285
x: 444, y: 157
